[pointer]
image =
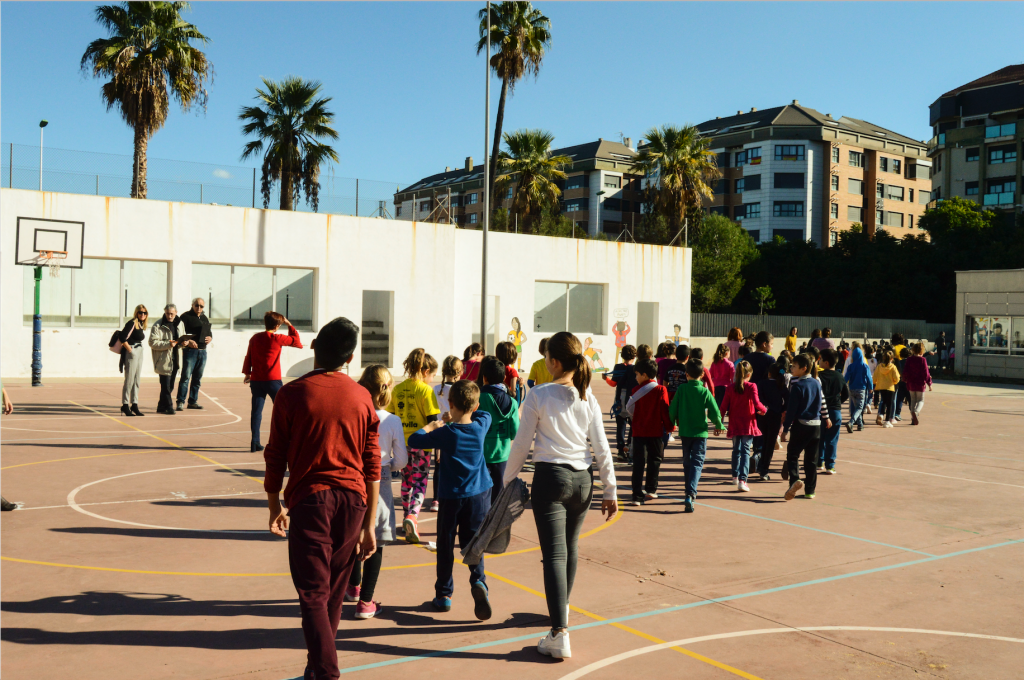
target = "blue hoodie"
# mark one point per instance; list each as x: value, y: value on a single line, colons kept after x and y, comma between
x: 858, y: 373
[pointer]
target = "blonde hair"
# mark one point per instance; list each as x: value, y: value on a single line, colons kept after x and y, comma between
x: 918, y: 348
x: 135, y: 316
x: 451, y: 368
x: 378, y: 382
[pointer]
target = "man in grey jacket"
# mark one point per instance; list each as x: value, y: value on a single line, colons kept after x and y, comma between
x: 165, y: 343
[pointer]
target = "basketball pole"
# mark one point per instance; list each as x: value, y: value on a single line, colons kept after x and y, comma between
x: 487, y: 187
x: 37, y: 333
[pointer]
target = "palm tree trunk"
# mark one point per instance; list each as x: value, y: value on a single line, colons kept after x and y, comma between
x: 498, y: 121
x: 139, y: 165
x: 287, y: 180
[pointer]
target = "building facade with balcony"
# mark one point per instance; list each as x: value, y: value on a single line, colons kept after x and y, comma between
x: 977, y: 147
x: 598, y: 194
x: 793, y: 172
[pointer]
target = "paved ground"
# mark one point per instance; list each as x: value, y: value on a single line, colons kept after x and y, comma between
x: 142, y: 552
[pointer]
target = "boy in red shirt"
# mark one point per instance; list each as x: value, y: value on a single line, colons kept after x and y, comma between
x: 324, y: 432
x: 262, y: 368
x: 649, y: 408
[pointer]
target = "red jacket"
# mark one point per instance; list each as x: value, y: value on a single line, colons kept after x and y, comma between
x: 324, y: 432
x: 741, y: 409
x: 650, y: 414
x: 263, y: 360
x: 708, y: 381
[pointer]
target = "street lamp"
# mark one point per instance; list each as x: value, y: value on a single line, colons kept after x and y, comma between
x: 599, y: 194
x: 37, y: 319
x: 42, y: 124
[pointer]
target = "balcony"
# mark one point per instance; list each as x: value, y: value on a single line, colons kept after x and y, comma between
x: 998, y: 132
x: 1000, y: 199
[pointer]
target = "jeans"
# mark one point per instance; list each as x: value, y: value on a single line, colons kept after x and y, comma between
x: 321, y: 550
x: 803, y: 438
x: 857, y: 402
x: 902, y: 395
x: 561, y: 497
x: 830, y: 440
x: 261, y: 389
x: 885, y: 410
x: 694, y: 449
x: 497, y: 472
x: 166, y: 402
x: 648, y: 452
x: 623, y: 434
x: 770, y: 425
x: 741, y: 447
x: 193, y: 361
x: 461, y: 516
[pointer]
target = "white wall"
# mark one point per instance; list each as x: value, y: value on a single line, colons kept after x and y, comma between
x: 433, y: 269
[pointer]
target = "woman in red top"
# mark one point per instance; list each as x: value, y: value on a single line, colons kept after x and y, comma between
x: 741, y: 403
x: 262, y: 367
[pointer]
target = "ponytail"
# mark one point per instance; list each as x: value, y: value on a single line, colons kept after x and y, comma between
x: 743, y: 370
x: 566, y: 349
x: 720, y: 353
x: 415, y: 363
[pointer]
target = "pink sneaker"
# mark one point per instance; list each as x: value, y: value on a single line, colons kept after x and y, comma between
x: 367, y: 610
x: 435, y: 506
x: 742, y: 486
x: 352, y: 594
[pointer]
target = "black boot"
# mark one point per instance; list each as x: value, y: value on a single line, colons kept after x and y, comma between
x: 6, y: 505
x: 136, y: 411
x: 126, y: 411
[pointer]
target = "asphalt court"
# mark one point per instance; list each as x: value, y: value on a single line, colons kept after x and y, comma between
x: 141, y: 550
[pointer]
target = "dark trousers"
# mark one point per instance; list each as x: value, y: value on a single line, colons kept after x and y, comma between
x: 461, y: 516
x: 166, y: 402
x: 885, y: 411
x: 770, y: 425
x: 322, y: 541
x: 561, y: 497
x: 803, y: 438
x: 193, y: 363
x: 902, y: 395
x: 623, y: 434
x: 647, y: 452
x: 261, y: 389
x: 497, y: 472
x: 694, y: 450
x: 366, y: 575
x: 720, y: 395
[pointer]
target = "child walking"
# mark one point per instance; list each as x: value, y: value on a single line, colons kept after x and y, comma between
x: 775, y: 396
x: 804, y: 415
x: 916, y: 375
x: 857, y: 374
x: 722, y: 372
x: 886, y: 377
x: 504, y: 412
x: 451, y: 372
x: 465, y: 489
x: 834, y: 388
x: 690, y: 410
x: 416, y: 404
x: 741, y: 404
x: 538, y: 372
x: 506, y: 353
x: 649, y: 409
x: 393, y: 456
x: 623, y: 379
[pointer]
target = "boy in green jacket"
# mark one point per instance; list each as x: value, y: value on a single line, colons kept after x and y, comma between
x: 689, y: 411
x: 504, y: 410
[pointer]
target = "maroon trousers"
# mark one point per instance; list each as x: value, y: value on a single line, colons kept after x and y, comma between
x: 322, y: 539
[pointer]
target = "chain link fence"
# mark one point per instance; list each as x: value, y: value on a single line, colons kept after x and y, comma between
x: 106, y: 174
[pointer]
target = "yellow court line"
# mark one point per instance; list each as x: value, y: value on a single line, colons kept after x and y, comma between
x: 168, y: 442
x: 133, y: 571
x: 61, y: 460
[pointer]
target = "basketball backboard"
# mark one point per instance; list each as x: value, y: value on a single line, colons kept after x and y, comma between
x: 35, y: 235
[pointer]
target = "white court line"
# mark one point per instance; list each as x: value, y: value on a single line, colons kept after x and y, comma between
x: 146, y: 500
x: 932, y: 474
x: 603, y: 663
x: 95, y: 415
x: 116, y: 433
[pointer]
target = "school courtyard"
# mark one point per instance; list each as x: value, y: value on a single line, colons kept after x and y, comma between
x: 142, y: 552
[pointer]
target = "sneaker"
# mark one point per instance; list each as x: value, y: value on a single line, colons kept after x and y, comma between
x: 860, y: 428
x: 821, y: 468
x: 434, y: 506
x: 198, y: 407
x: 888, y: 423
x: 879, y: 421
x: 784, y: 473
x: 636, y: 502
x: 412, y: 534
x: 442, y: 604
x: 6, y: 505
x: 914, y: 420
x: 897, y: 419
x: 849, y: 427
x: 180, y: 406
x: 867, y: 410
x: 688, y: 504
x: 830, y: 471
x: 481, y: 603
x: 742, y: 486
x: 367, y: 610
x: 555, y: 645
x: 650, y: 497
x: 794, y: 489
x: 735, y: 480
x: 352, y: 594
x: 809, y: 496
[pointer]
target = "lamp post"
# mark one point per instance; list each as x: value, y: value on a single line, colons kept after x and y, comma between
x: 37, y: 318
x: 42, y: 124
x: 487, y: 184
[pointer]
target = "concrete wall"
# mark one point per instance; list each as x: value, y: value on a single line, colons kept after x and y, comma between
x: 432, y: 269
x: 989, y: 293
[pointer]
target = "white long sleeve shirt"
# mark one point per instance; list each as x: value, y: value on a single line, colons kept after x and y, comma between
x: 391, y: 439
x: 558, y: 424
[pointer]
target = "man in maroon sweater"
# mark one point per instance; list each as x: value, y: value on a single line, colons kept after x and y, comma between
x: 262, y: 368
x: 324, y: 433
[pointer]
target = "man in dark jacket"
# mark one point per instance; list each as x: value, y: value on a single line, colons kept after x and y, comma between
x: 195, y: 324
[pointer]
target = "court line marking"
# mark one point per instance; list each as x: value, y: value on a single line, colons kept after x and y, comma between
x: 864, y: 442
x: 604, y: 663
x: 932, y: 474
x: 668, y: 610
x: 147, y: 500
x: 61, y: 460
x: 118, y: 434
x: 88, y: 417
x: 133, y: 571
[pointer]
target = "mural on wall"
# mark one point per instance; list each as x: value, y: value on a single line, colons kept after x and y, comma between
x: 620, y: 329
x: 518, y: 338
x: 593, y: 356
x: 677, y: 339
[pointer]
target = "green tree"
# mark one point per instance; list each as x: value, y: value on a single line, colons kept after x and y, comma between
x: 149, y: 59
x: 764, y: 299
x: 554, y: 223
x: 721, y: 249
x: 289, y: 123
x: 519, y: 36
x: 529, y: 164
x: 681, y: 168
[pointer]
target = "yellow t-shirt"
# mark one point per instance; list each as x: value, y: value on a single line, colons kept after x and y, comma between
x: 539, y: 373
x: 791, y: 343
x: 413, y: 401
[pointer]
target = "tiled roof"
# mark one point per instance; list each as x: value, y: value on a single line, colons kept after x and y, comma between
x: 1008, y: 74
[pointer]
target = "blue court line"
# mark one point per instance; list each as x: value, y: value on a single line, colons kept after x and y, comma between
x: 657, y: 612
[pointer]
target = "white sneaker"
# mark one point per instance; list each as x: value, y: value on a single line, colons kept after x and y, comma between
x: 742, y: 486
x: 555, y: 645
x: 888, y: 423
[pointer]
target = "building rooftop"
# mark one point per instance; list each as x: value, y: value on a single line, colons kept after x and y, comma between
x: 1008, y: 74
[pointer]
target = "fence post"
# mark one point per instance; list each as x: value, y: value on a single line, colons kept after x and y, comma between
x: 254, y: 187
x: 357, y: 197
x: 97, y: 185
x: 10, y: 172
x: 200, y: 193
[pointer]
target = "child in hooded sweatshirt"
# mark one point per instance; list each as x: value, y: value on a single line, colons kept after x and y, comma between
x: 690, y: 409
x: 504, y: 412
x: 741, y: 403
x: 857, y: 374
x: 886, y: 377
x: 916, y: 375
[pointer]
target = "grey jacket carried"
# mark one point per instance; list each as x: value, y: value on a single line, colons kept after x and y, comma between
x: 160, y: 338
x: 496, y: 531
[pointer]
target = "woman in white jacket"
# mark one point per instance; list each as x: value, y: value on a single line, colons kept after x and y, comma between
x: 557, y: 419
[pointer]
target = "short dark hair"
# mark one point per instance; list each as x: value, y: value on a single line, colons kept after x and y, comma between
x: 647, y: 367
x: 335, y: 343
x: 695, y: 368
x: 697, y: 353
x: 682, y: 352
x: 272, y: 320
x: 763, y: 338
x: 829, y: 357
x: 813, y: 351
x: 628, y: 353
x: 743, y: 350
x: 492, y: 370
x: 464, y: 395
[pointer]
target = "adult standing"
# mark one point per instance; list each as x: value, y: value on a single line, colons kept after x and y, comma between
x: 557, y: 419
x: 734, y: 342
x: 942, y: 349
x: 262, y: 367
x: 131, y: 337
x: 196, y: 325
x: 165, y: 344
x: 791, y: 341
x: 824, y: 341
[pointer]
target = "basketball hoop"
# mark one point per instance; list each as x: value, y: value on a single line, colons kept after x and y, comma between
x: 53, y: 259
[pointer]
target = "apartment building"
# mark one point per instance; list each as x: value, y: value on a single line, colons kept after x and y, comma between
x: 599, y: 193
x: 791, y: 171
x: 979, y: 131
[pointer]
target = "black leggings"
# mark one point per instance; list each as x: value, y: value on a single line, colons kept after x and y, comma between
x: 367, y: 572
x: 886, y: 410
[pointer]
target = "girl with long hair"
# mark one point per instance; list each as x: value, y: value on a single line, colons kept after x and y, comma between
x: 741, y: 403
x: 722, y: 371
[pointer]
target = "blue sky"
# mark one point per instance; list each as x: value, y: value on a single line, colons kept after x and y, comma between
x: 408, y: 85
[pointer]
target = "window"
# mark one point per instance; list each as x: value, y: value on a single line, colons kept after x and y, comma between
x: 996, y: 334
x: 835, y: 183
x: 833, y: 210
x: 789, y: 152
x: 856, y: 159
x: 910, y: 219
x: 755, y: 234
x: 722, y: 186
x: 833, y: 238
x: 718, y: 210
x: 854, y: 213
x: 789, y: 180
x: 999, y: 186
x: 855, y: 186
x: 424, y: 207
x: 788, y: 234
x: 973, y: 153
x: 238, y: 296
x: 911, y: 199
x: 752, y: 182
x: 377, y: 329
x: 883, y: 164
x: 576, y: 182
x: 474, y: 218
x: 212, y: 282
x: 880, y: 191
x: 748, y: 156
x: 612, y: 204
x: 789, y: 209
x: 722, y: 159
x: 252, y: 296
x: 471, y: 199
x: 398, y: 211
x: 970, y: 188
x: 740, y: 185
x: 573, y: 307
x: 508, y: 193
x: 879, y: 218
x: 1002, y: 154
x: 938, y: 164
x: 573, y: 206
x: 612, y: 182
x: 924, y: 196
x: 1000, y: 130
x: 293, y: 296
x: 748, y: 211
x: 893, y: 219
x: 456, y: 201
x: 835, y: 154
x: 896, y: 166
x: 893, y: 193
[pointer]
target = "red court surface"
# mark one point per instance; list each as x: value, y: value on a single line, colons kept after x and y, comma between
x: 142, y: 552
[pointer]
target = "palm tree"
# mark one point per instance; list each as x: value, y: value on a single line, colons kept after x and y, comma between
x: 519, y: 35
x: 149, y: 59
x: 292, y: 117
x: 681, y: 168
x: 529, y: 164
